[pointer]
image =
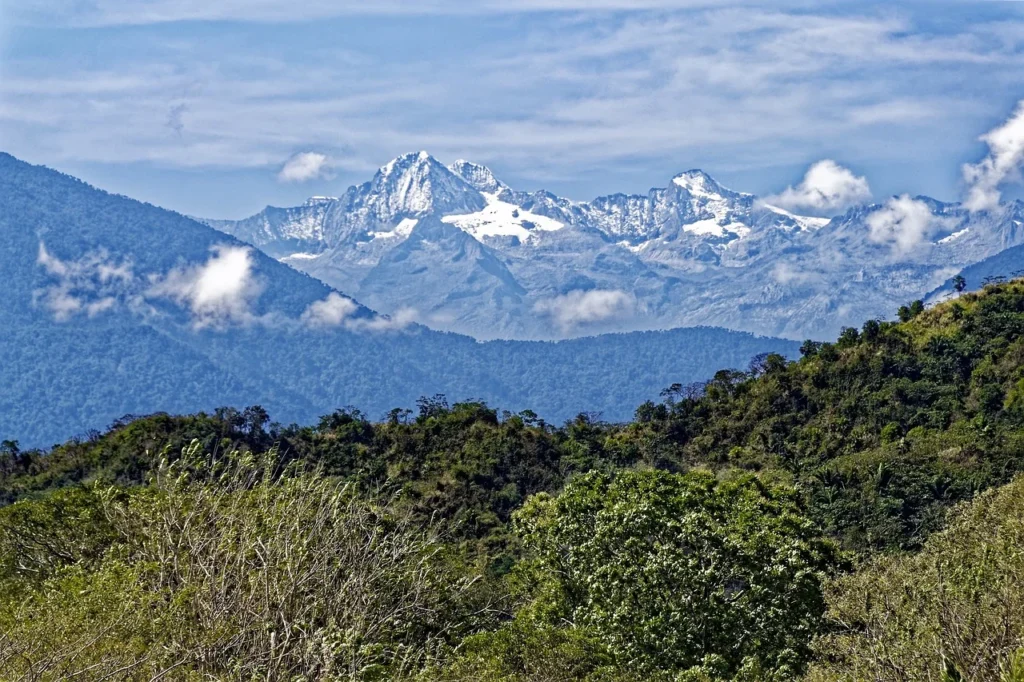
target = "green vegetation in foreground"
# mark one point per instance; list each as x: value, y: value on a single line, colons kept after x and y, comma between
x: 818, y: 519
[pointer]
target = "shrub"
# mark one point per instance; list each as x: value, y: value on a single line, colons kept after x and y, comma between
x: 955, y: 609
x: 236, y: 570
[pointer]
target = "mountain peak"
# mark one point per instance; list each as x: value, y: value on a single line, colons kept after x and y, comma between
x: 319, y: 201
x: 416, y: 184
x: 479, y: 177
x: 700, y: 184
x: 408, y: 161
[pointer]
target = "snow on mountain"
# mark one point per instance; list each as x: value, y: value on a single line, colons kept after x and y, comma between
x: 502, y: 219
x: 473, y: 255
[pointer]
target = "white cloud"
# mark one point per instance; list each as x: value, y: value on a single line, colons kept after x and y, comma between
x: 826, y: 188
x: 399, y: 320
x: 332, y: 311
x: 93, y: 284
x: 337, y: 311
x: 904, y: 223
x: 218, y: 292
x: 1003, y: 163
x: 305, y: 166
x: 578, y: 308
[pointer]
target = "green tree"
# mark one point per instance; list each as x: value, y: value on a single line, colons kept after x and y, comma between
x: 678, y: 572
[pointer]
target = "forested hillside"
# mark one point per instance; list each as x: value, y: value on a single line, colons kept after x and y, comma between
x: 103, y: 316
x: 850, y: 515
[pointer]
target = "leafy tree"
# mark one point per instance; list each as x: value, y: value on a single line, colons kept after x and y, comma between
x: 675, y: 572
x: 959, y: 284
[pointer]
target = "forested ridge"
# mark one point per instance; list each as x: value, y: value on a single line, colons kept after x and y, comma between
x: 855, y: 514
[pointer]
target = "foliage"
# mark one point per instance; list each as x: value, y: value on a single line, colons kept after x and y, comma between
x: 686, y: 545
x: 672, y: 572
x: 525, y: 650
x: 883, y: 430
x: 235, y: 569
x: 956, y: 608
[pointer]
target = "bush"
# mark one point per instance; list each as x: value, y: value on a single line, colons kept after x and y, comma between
x: 955, y: 609
x: 235, y: 570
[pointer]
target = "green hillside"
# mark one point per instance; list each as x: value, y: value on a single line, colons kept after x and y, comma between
x: 781, y: 522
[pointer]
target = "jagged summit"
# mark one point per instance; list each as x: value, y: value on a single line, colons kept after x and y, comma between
x: 692, y: 252
x: 700, y: 184
x: 413, y: 185
x: 480, y: 177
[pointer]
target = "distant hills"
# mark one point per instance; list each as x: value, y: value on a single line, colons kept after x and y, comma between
x: 470, y: 254
x: 112, y: 306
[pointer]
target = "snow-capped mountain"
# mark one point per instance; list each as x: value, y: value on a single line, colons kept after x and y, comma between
x: 470, y: 254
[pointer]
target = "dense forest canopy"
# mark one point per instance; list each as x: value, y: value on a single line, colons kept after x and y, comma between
x: 768, y: 524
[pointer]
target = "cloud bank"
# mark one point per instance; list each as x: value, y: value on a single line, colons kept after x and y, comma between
x: 827, y: 187
x: 305, y: 166
x: 1002, y: 165
x: 579, y: 308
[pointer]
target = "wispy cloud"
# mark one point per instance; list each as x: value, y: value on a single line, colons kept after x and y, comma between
x: 698, y: 82
x: 131, y: 12
x: 89, y: 285
x: 332, y: 311
x: 340, y: 311
x: 218, y: 293
x: 904, y: 223
x: 826, y: 188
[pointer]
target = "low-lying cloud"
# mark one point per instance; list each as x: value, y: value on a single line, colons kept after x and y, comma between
x: 219, y: 292
x: 305, y: 166
x: 579, y: 308
x: 904, y: 223
x: 332, y: 311
x: 1002, y: 165
x: 827, y: 187
x: 339, y: 311
x: 89, y: 285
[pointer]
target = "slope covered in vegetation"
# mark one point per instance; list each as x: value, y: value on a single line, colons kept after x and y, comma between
x: 713, y: 537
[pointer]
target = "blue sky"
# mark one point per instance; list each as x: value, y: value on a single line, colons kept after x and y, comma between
x: 197, y: 105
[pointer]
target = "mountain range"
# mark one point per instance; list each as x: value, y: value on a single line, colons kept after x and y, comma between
x: 459, y: 250
x: 112, y: 306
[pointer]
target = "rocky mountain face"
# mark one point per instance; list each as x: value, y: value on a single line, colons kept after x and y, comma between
x: 464, y: 252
